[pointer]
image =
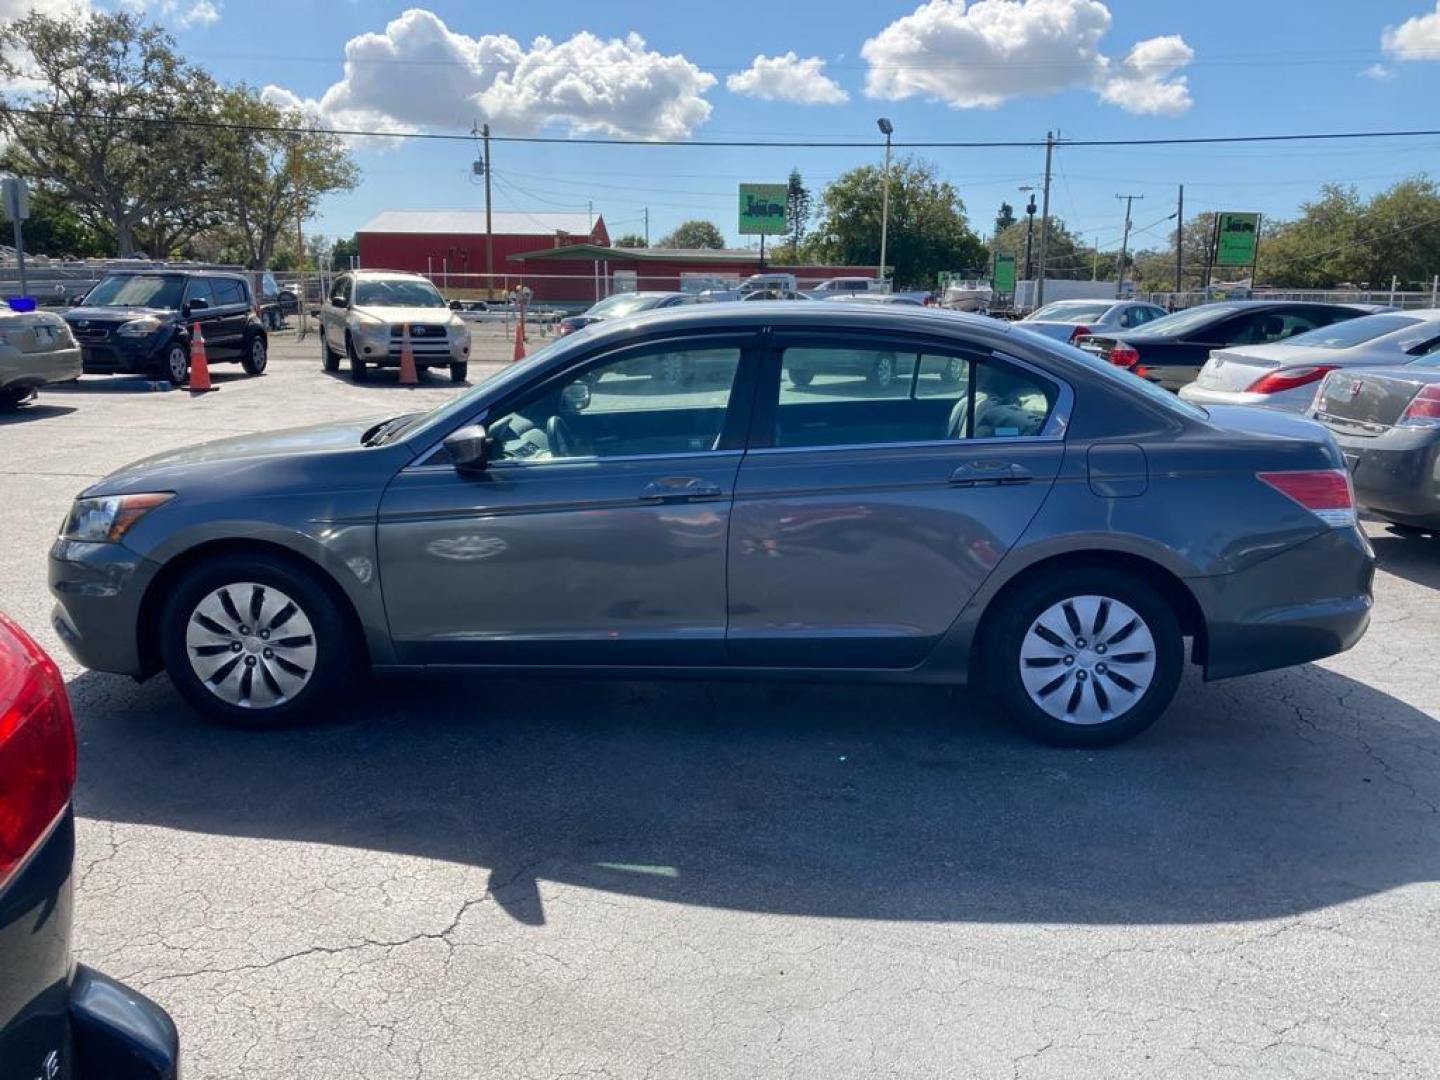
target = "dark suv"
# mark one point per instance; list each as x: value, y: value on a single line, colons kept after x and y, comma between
x: 141, y: 323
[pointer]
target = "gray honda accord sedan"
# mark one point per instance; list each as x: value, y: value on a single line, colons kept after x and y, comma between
x: 1037, y: 521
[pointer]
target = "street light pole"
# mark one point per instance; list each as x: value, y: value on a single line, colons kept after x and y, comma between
x: 887, y: 129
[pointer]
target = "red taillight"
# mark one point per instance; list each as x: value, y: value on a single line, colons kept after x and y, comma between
x: 1078, y: 333
x: 1122, y: 355
x: 1424, y: 408
x: 37, y: 745
x: 1289, y: 379
x: 1324, y: 492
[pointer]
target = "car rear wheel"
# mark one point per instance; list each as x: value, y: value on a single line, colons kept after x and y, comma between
x: 801, y: 378
x: 882, y: 372
x: 1084, y: 658
x: 458, y: 370
x: 15, y: 397
x: 254, y: 641
x: 176, y: 364
x: 256, y: 356
x: 358, y: 372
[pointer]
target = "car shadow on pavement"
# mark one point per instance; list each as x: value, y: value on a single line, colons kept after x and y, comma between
x: 1257, y: 798
x: 34, y: 411
x: 389, y: 379
x: 1414, y: 558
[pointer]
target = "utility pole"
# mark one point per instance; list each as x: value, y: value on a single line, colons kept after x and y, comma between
x: 1029, y: 227
x: 1124, y: 245
x: 489, y: 231
x: 299, y: 239
x: 647, y: 226
x: 886, y: 129
x: 1180, y: 241
x: 1044, y: 222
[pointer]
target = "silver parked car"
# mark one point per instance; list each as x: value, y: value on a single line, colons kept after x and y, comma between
x: 1046, y: 524
x: 1284, y: 374
x: 36, y: 348
x: 1070, y: 320
x: 368, y: 314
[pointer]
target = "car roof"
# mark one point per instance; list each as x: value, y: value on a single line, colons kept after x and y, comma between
x: 387, y: 273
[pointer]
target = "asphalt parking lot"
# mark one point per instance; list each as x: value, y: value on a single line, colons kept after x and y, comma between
x: 468, y: 877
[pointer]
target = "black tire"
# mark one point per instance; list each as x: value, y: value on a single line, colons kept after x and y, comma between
x: 14, y: 398
x: 175, y: 362
x: 1006, y: 634
x: 257, y: 355
x: 358, y: 367
x: 801, y: 378
x: 882, y: 372
x: 337, y: 654
x: 329, y: 358
x: 459, y: 369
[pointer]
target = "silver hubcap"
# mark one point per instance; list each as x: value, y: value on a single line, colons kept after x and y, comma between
x: 884, y: 371
x: 1087, y: 660
x: 178, y: 363
x: 257, y: 353
x: 251, y: 645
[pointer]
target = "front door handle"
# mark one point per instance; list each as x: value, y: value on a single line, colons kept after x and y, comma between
x: 990, y: 474
x: 680, y: 489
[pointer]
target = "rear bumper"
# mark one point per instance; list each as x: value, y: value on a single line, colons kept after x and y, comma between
x: 1293, y: 401
x: 98, y: 589
x: 119, y: 1033
x: 1397, y: 474
x: 20, y: 371
x: 1308, y: 602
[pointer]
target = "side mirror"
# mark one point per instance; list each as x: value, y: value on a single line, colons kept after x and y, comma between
x: 575, y: 398
x: 337, y: 301
x: 468, y: 447
x: 197, y: 304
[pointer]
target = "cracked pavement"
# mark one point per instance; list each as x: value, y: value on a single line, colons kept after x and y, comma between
x: 465, y: 877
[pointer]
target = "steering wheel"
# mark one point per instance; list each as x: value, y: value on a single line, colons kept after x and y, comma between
x: 560, y: 436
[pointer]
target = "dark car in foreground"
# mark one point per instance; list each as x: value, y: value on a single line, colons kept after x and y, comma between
x: 620, y: 305
x: 1044, y: 524
x: 58, y: 1020
x: 1171, y: 350
x: 141, y: 323
x: 1387, y: 422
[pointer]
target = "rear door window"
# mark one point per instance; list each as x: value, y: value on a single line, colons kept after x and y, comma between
x: 226, y: 292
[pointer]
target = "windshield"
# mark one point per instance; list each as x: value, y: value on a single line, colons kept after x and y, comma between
x: 396, y: 292
x: 1158, y: 394
x: 1182, y: 321
x: 1070, y: 311
x: 1353, y: 332
x: 138, y: 290
x: 612, y: 307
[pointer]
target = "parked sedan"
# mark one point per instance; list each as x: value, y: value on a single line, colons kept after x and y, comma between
x: 621, y: 304
x: 58, y: 1020
x: 36, y: 348
x: 1387, y: 422
x: 1283, y: 375
x: 1048, y: 525
x: 1070, y: 320
x: 1171, y: 351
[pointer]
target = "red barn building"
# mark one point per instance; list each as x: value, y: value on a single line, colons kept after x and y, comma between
x: 449, y: 245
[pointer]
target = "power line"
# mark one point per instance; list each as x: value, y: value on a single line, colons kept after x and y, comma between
x: 793, y: 144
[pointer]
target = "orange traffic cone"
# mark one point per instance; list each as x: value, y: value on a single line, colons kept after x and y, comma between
x: 519, y: 329
x: 408, y: 375
x: 199, y: 365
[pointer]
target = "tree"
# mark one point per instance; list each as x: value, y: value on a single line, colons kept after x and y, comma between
x: 271, y: 172
x: 694, y: 234
x: 1005, y: 218
x: 83, y: 138
x: 631, y: 240
x: 797, y: 212
x: 928, y: 231
x: 343, y: 251
x: 53, y: 228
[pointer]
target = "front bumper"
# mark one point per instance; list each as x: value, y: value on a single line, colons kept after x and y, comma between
x: 119, y: 1033
x: 98, y: 589
x: 22, y: 370
x: 1397, y: 474
x: 117, y: 355
x: 1309, y: 601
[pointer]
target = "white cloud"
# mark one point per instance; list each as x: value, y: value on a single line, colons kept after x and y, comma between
x: 981, y: 54
x: 419, y: 73
x: 788, y: 78
x: 1417, y: 38
x: 183, y: 13
x: 1142, y: 83
x: 1378, y: 72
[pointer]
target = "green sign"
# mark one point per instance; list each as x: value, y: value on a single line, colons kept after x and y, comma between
x: 762, y: 209
x: 1004, y: 281
x: 1236, y: 240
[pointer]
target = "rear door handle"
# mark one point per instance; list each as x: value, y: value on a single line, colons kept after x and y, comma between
x: 990, y: 474
x: 680, y: 489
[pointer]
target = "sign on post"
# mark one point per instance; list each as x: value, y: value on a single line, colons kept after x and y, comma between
x: 762, y: 209
x: 1236, y: 237
x: 1004, y: 281
x: 16, y: 196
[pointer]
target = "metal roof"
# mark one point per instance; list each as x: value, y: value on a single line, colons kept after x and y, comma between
x: 472, y: 222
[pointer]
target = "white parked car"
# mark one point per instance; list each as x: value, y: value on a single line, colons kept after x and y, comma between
x: 1070, y: 320
x: 1284, y: 375
x: 846, y: 286
x: 367, y: 314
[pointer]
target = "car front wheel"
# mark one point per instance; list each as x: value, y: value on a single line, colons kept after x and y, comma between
x: 176, y: 364
x: 1084, y: 657
x: 256, y: 356
x: 255, y: 641
x: 358, y: 372
x: 329, y: 358
x: 458, y: 370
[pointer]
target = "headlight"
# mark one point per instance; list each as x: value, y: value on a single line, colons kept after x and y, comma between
x: 109, y: 517
x: 141, y: 327
x: 365, y: 324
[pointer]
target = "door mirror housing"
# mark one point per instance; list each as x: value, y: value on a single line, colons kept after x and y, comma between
x: 575, y: 398
x: 468, y: 447
x: 337, y: 301
x: 197, y: 304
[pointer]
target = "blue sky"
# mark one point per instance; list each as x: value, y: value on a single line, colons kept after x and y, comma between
x: 1259, y: 67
